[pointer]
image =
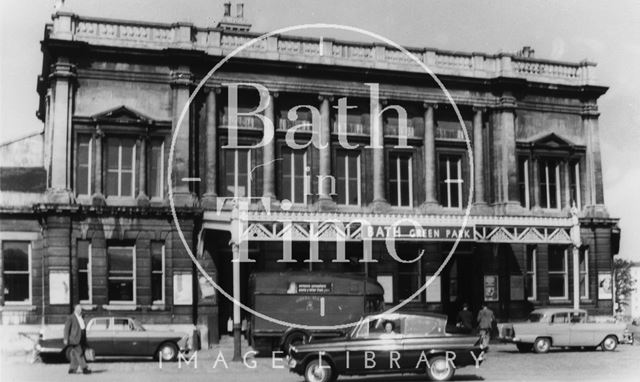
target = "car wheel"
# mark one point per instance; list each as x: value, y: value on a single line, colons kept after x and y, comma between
x: 440, y: 369
x: 317, y: 372
x: 168, y: 352
x: 294, y: 339
x: 610, y: 343
x: 524, y: 347
x: 542, y: 345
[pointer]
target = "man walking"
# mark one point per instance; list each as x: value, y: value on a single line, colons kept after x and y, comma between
x: 75, y: 339
x: 485, y: 323
x: 465, y: 319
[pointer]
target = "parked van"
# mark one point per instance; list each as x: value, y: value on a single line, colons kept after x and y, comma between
x: 307, y: 298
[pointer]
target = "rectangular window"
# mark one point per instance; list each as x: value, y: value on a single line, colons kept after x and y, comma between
x: 156, y: 169
x: 549, y: 183
x: 400, y: 180
x: 237, y: 173
x: 531, y: 273
x: 294, y: 165
x: 16, y: 272
x: 558, y: 281
x: 122, y: 274
x: 84, y: 164
x: 451, y: 181
x: 121, y: 169
x: 348, y: 177
x: 157, y: 272
x: 523, y: 181
x: 84, y: 270
x: 584, y: 273
x: 574, y: 184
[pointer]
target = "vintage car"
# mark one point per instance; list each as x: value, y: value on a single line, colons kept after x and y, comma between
x: 117, y: 337
x: 562, y: 327
x: 388, y: 344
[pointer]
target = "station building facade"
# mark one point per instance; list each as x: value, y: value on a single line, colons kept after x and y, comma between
x: 90, y: 220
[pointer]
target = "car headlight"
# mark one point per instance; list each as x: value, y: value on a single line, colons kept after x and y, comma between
x: 292, y: 363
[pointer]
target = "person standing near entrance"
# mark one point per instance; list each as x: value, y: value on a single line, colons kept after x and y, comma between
x: 485, y: 323
x: 75, y: 339
x: 465, y: 319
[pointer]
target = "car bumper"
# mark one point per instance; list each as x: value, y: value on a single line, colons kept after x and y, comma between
x: 295, y: 366
x: 47, y: 350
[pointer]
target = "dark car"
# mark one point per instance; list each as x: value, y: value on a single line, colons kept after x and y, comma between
x: 389, y: 344
x: 118, y: 337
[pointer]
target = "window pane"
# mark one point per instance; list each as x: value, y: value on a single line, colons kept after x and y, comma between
x: 556, y: 285
x: 156, y: 287
x: 556, y: 261
x: 112, y: 153
x: 529, y: 286
x: 155, y: 169
x: 341, y: 180
x: 120, y: 290
x: 83, y: 286
x: 120, y: 259
x: 15, y: 255
x: 16, y: 287
x: 156, y: 256
x: 112, y: 184
x: 126, y: 179
x: 353, y: 192
x: 229, y: 171
x: 583, y: 284
x: 242, y: 170
x: 127, y: 154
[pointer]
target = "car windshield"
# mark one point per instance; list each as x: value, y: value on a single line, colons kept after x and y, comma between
x: 535, y: 317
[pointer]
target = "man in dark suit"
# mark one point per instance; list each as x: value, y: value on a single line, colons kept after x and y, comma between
x: 75, y: 339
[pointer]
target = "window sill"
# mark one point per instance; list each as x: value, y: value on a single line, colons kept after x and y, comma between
x: 120, y: 307
x: 17, y: 308
x: 157, y: 307
x: 559, y: 301
x: 88, y: 306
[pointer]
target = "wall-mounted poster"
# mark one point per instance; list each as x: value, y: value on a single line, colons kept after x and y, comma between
x: 59, y: 287
x: 386, y: 282
x: 182, y: 288
x: 605, y: 289
x: 207, y: 291
x: 491, y: 288
x: 516, y: 286
x: 434, y: 289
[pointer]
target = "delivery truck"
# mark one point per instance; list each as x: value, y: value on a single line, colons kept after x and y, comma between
x: 307, y: 298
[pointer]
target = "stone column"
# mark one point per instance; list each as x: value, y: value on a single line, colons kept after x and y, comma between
x: 181, y: 81
x: 535, y: 181
x: 63, y: 75
x: 97, y: 199
x: 377, y: 147
x: 565, y: 187
x: 268, y: 155
x: 478, y: 156
x: 211, y: 185
x: 594, y: 198
x: 143, y: 199
x: 430, y: 159
x: 325, y: 180
x: 505, y: 176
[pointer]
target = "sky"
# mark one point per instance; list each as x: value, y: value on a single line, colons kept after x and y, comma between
x: 606, y: 32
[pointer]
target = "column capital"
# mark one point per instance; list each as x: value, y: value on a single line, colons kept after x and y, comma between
x: 479, y: 108
x: 430, y: 104
x: 181, y: 77
x: 325, y: 96
x: 590, y: 110
x: 506, y: 102
x: 63, y: 70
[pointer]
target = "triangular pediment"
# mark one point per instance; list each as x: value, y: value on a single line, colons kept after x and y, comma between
x: 123, y: 115
x: 551, y: 140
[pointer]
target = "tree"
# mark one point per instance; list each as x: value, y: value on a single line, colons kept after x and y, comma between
x: 624, y: 282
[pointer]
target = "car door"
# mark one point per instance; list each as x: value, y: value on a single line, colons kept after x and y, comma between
x: 559, y: 329
x: 100, y: 336
x: 372, y: 347
x: 421, y: 335
x: 582, y: 333
x: 126, y: 340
